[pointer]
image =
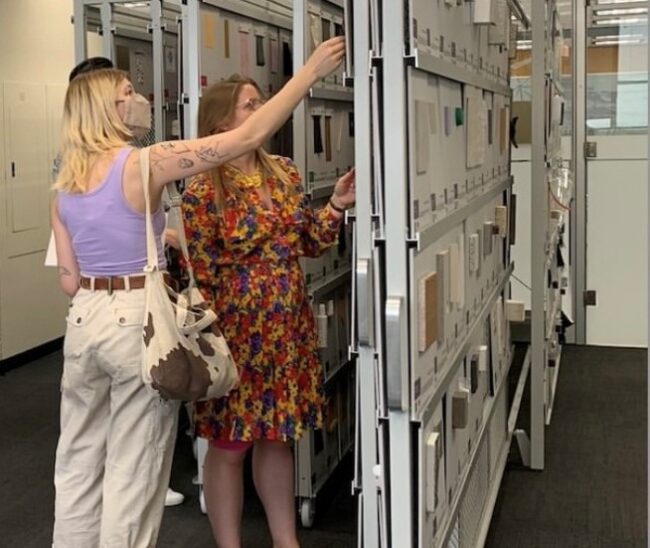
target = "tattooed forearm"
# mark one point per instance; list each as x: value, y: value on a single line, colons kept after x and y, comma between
x: 210, y: 154
x: 171, y: 154
x: 176, y: 148
x: 166, y: 151
x: 63, y: 271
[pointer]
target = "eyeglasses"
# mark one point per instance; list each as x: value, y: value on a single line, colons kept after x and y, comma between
x: 251, y: 104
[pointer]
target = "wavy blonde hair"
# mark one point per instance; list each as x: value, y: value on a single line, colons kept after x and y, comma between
x: 91, y: 126
x: 216, y: 108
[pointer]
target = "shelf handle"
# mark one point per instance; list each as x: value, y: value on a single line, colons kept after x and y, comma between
x: 366, y: 312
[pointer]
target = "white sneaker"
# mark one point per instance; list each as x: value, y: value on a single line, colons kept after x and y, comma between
x: 173, y: 498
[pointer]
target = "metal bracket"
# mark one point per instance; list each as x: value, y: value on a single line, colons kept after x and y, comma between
x: 590, y: 297
x: 591, y: 149
x: 414, y: 243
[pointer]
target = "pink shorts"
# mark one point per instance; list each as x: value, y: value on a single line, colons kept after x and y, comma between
x: 228, y: 445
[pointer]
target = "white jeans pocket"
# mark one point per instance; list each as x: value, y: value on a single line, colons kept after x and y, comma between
x: 129, y: 316
x: 75, y: 334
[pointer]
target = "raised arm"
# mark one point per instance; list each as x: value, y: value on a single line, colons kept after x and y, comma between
x: 173, y: 160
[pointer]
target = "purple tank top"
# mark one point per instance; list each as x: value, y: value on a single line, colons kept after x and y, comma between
x: 108, y: 237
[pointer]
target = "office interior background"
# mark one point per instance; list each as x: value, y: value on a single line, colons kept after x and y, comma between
x: 483, y: 322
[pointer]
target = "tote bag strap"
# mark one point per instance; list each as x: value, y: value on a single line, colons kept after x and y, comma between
x: 174, y: 213
x: 152, y: 249
x: 176, y: 220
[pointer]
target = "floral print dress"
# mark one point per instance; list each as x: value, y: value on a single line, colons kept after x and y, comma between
x: 245, y: 259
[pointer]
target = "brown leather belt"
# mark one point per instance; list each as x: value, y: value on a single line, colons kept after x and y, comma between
x: 119, y: 283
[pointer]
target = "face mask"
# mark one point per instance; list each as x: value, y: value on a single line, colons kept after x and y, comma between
x: 137, y: 115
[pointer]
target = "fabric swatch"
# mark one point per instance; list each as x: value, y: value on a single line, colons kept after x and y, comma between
x: 259, y: 51
x: 318, y: 136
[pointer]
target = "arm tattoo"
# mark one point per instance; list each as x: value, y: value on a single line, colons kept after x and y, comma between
x: 160, y: 153
x: 176, y: 148
x: 63, y: 271
x: 210, y: 154
x: 155, y: 160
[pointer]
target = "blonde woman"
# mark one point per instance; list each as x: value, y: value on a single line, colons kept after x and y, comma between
x: 248, y: 221
x: 114, y: 453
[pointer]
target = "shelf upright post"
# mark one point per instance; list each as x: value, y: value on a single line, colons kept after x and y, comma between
x: 300, y: 29
x: 108, y: 46
x: 364, y: 275
x: 402, y: 497
x: 539, y: 234
x: 155, y: 11
x: 190, y: 41
x: 79, y: 21
x: 579, y: 167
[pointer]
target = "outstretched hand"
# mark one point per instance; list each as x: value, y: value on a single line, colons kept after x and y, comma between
x: 327, y: 57
x: 345, y: 191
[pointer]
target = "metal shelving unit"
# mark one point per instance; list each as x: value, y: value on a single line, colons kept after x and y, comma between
x: 319, y: 453
x: 548, y: 226
x: 398, y: 415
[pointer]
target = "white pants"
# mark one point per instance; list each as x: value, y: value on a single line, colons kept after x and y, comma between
x: 117, y: 438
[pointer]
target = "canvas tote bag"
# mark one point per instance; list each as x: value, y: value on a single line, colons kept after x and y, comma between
x: 185, y: 356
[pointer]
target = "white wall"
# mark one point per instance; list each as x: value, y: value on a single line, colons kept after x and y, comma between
x: 617, y: 243
x: 36, y: 40
x: 36, y: 51
x: 521, y: 252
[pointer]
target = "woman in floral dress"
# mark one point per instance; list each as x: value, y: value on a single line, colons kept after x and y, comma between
x: 247, y: 224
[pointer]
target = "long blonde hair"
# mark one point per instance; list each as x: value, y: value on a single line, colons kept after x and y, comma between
x: 91, y: 126
x: 216, y: 108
